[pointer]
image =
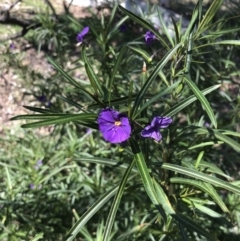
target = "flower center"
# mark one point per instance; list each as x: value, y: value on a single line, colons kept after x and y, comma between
x: 117, y: 123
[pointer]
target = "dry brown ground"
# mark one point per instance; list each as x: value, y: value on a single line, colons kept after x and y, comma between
x: 12, y: 89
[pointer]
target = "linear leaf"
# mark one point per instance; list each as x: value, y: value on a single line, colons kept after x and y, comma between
x: 71, y: 102
x: 163, y: 199
x: 152, y: 77
x: 201, y: 176
x: 104, y: 161
x: 216, y: 4
x: 227, y: 140
x: 207, y: 211
x: 210, y: 167
x: 37, y: 237
x: 205, y: 187
x: 145, y: 24
x: 202, y: 99
x: 115, y: 69
x: 116, y: 202
x: 190, y: 224
x: 143, y: 171
x: 228, y: 42
x: 192, y: 22
x: 71, y: 80
x: 79, y: 118
x: 89, y: 213
x: 95, y: 82
x: 155, y: 98
x: 164, y: 28
x: 39, y: 110
x: 143, y: 53
x: 216, y: 197
x: 85, y: 116
x: 184, y: 103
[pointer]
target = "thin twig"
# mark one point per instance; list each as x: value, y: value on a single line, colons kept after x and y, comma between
x: 52, y: 8
x: 14, y: 4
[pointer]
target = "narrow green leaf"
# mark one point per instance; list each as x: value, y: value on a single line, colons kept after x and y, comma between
x: 216, y: 197
x: 199, y: 158
x: 190, y: 224
x: 155, y: 98
x: 71, y: 103
x: 184, y: 103
x: 176, y: 29
x: 216, y: 4
x: 105, y: 161
x: 85, y: 116
x: 72, y: 81
x: 95, y: 82
x: 79, y: 118
x: 208, y: 143
x: 89, y: 213
x: 228, y: 42
x: 145, y: 24
x: 165, y: 30
x: 163, y: 199
x: 202, y: 99
x: 143, y: 53
x: 207, y: 211
x: 192, y: 22
x: 116, y: 202
x: 152, y: 77
x: 143, y: 171
x: 115, y: 69
x: 227, y: 140
x: 201, y: 176
x: 37, y: 237
x: 115, y: 28
x: 210, y: 167
x: 205, y: 187
x: 39, y: 110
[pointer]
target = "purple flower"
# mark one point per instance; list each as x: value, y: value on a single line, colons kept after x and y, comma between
x: 149, y: 37
x: 207, y: 125
x: 82, y: 34
x: 114, y: 126
x: 39, y: 164
x: 12, y: 46
x: 89, y: 131
x: 123, y: 28
x: 42, y: 98
x: 157, y: 123
x: 32, y: 186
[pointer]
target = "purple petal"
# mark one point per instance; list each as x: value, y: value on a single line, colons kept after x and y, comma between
x: 84, y: 31
x: 149, y: 37
x: 105, y: 126
x: 117, y: 134
x: 81, y: 35
x: 151, y: 132
x: 107, y: 115
x: 161, y: 121
x: 114, y: 126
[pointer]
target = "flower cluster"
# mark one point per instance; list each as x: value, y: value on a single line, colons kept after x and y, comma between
x: 115, y: 127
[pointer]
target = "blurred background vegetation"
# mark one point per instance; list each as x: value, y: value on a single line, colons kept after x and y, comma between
x: 47, y: 178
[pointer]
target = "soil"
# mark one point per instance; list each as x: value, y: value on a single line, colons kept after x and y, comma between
x: 12, y: 88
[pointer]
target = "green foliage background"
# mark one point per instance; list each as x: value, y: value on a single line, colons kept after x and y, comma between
x: 184, y: 188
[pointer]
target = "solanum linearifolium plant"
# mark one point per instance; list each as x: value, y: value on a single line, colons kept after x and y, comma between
x: 141, y: 110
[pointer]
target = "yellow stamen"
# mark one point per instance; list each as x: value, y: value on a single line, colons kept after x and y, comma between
x: 117, y: 123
